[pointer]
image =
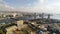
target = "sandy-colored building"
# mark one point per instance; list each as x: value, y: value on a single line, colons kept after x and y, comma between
x: 11, y: 29
x: 43, y: 27
x: 20, y: 24
x: 33, y: 32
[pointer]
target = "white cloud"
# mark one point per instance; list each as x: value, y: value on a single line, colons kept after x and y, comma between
x: 1, y: 0
x: 54, y: 8
x: 41, y: 6
x: 5, y: 7
x: 37, y: 8
x: 41, y: 1
x: 44, y: 6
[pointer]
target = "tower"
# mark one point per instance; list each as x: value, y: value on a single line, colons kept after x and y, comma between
x: 48, y: 16
x: 49, y: 20
x: 34, y: 15
x: 42, y: 16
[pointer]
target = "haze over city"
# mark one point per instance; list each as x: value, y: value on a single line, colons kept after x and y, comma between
x: 46, y: 6
x: 29, y: 16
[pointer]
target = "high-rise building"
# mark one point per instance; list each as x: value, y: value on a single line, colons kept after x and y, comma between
x: 48, y: 16
x: 42, y: 16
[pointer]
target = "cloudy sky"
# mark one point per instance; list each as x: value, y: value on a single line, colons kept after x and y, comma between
x: 46, y: 6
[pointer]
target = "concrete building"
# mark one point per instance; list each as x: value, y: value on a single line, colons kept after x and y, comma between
x: 20, y: 24
x: 43, y: 27
x: 48, y: 16
x: 11, y: 29
x: 33, y: 32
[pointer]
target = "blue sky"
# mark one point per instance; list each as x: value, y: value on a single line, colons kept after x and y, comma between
x: 19, y: 3
x: 47, y: 6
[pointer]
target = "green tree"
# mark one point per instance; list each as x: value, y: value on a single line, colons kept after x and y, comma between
x: 1, y: 32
